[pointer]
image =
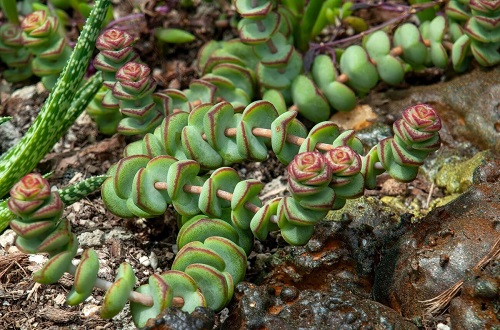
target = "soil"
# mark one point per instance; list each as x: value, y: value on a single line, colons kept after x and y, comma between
x: 148, y: 245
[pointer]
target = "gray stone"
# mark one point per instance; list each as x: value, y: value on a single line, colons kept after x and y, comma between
x: 91, y: 239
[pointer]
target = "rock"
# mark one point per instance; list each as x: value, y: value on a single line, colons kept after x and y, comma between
x: 144, y: 261
x: 457, y: 176
x: 9, y: 136
x: 477, y: 306
x: 325, y: 284
x: 438, y: 250
x: 468, y: 106
x: 175, y: 319
x: 8, y: 238
x: 262, y: 307
x: 441, y: 326
x: 91, y: 239
x: 118, y: 233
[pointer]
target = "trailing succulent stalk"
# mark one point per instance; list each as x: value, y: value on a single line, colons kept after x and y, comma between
x: 221, y: 213
x: 14, y: 54
x: 68, y: 195
x: 60, y: 109
x: 115, y: 50
x: 49, y: 48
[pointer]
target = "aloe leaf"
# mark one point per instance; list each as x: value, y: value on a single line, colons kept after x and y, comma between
x: 4, y: 119
x: 311, y: 14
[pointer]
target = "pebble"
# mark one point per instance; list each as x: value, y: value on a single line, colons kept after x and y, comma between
x: 154, y: 260
x: 8, y: 238
x: 144, y: 261
x: 89, y: 239
x: 90, y: 310
x: 442, y: 326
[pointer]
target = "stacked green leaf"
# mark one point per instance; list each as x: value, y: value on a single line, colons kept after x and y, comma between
x: 115, y: 50
x: 214, y: 136
x: 134, y: 90
x: 204, y: 271
x: 14, y: 54
x: 481, y: 36
x: 51, y: 52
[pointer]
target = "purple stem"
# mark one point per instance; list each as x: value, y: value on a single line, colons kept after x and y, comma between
x: 125, y: 19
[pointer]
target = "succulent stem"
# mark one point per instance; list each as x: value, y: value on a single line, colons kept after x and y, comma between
x: 134, y: 296
x: 272, y: 47
x: 226, y: 195
x: 267, y: 133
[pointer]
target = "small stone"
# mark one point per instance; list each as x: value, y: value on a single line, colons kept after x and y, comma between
x: 442, y: 326
x: 39, y: 259
x: 90, y: 310
x: 60, y: 299
x: 8, y: 238
x: 119, y: 234
x: 13, y: 250
x: 90, y: 239
x: 154, y: 260
x: 144, y: 261
x: 289, y: 293
x: 25, y: 93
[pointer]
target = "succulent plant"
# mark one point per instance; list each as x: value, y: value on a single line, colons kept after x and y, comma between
x: 134, y: 89
x: 115, y: 50
x: 268, y: 32
x: 481, y: 33
x: 191, y: 137
x: 14, y: 54
x: 64, y: 104
x: 51, y: 52
x: 264, y: 61
x: 220, y: 212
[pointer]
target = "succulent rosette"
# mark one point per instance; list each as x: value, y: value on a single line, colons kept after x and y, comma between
x: 134, y: 90
x: 134, y: 79
x: 416, y: 135
x: 14, y: 54
x: 307, y: 173
x: 308, y: 180
x: 37, y: 207
x: 419, y: 128
x: 345, y: 163
x: 115, y: 44
x: 115, y: 48
x: 40, y: 36
x: 28, y: 194
x: 38, y: 25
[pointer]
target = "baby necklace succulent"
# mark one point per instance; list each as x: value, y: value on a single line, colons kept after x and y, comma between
x: 14, y: 54
x: 69, y: 97
x: 266, y: 47
x: 50, y: 50
x: 184, y: 164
